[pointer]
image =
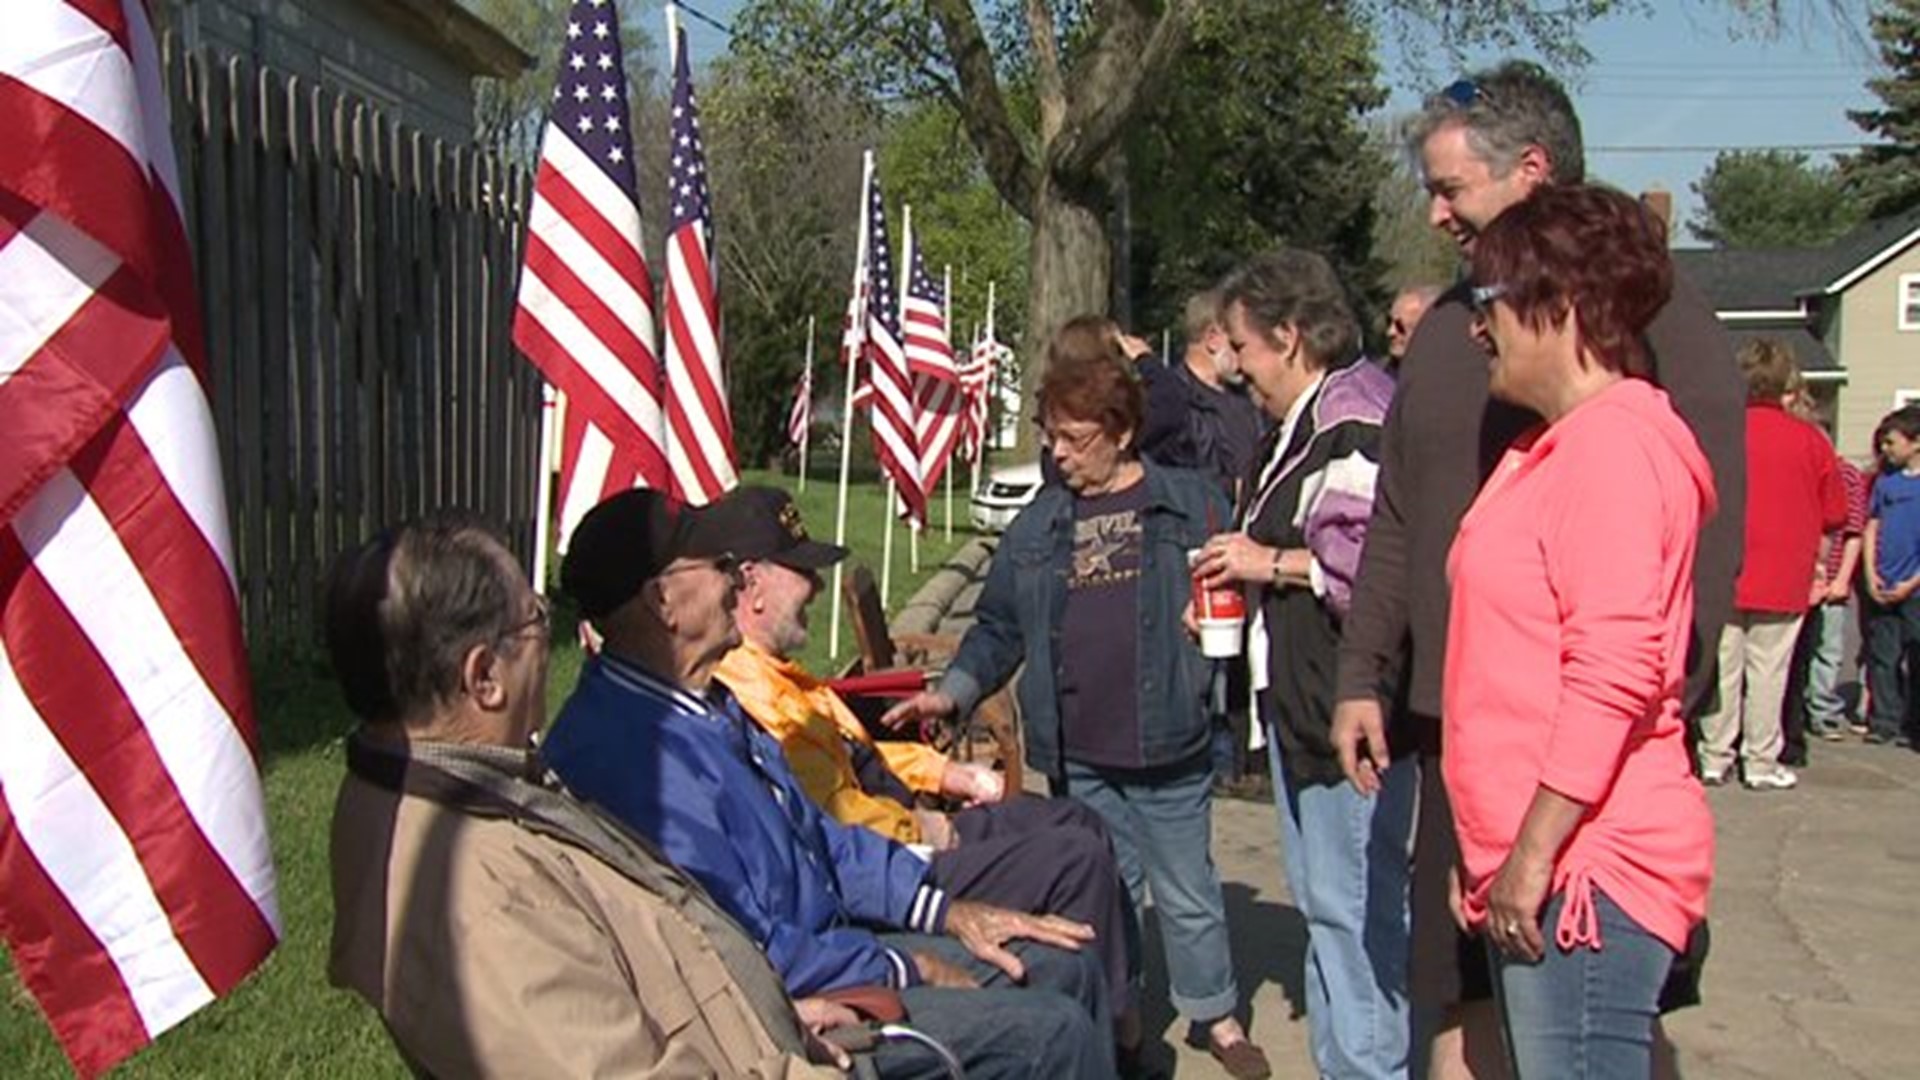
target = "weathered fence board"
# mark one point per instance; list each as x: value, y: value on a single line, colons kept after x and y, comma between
x: 357, y: 279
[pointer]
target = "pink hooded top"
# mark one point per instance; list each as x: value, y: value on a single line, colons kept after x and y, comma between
x: 1572, y: 578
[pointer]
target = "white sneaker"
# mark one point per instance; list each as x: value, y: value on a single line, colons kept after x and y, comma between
x: 1779, y: 779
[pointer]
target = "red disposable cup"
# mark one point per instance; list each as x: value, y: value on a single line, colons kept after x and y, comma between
x: 1221, y: 613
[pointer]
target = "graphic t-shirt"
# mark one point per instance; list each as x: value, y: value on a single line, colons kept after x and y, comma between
x: 1100, y: 636
x: 1896, y: 504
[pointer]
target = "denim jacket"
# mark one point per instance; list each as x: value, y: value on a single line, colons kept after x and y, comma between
x: 1024, y: 601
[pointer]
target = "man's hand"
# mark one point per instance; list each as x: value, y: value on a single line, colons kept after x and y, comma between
x: 1360, y: 738
x: 1132, y: 346
x: 974, y: 785
x: 985, y: 931
x: 922, y: 708
x: 935, y: 830
x: 819, y: 1016
x: 937, y: 972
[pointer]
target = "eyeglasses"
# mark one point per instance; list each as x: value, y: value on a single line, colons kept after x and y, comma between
x: 1047, y: 438
x: 541, y: 621
x: 1465, y: 94
x: 1483, y: 296
x: 725, y: 563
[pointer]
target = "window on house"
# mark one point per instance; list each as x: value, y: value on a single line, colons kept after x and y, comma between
x: 1909, y: 301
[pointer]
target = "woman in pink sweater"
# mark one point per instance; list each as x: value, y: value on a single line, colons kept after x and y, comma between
x: 1586, y: 844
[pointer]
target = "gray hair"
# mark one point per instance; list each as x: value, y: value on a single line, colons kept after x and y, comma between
x: 1204, y: 310
x: 1289, y: 287
x: 1505, y: 110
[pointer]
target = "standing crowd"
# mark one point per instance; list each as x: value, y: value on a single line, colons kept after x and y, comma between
x: 1512, y: 597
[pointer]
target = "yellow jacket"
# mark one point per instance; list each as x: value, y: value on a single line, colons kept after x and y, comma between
x: 812, y: 724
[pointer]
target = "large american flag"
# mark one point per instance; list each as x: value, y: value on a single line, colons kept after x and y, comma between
x: 890, y: 382
x: 585, y: 315
x: 938, y: 400
x: 701, y: 444
x: 136, y: 882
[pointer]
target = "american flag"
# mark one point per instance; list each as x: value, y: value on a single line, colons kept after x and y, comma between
x: 891, y: 383
x: 585, y: 315
x: 976, y: 377
x: 701, y: 444
x: 800, y: 417
x: 938, y: 400
x: 136, y: 881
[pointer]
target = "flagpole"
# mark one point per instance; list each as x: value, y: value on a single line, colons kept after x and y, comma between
x: 913, y: 401
x: 855, y: 337
x: 673, y: 38
x: 806, y: 430
x: 993, y: 390
x: 550, y: 403
x: 886, y: 545
x: 979, y: 437
x: 946, y: 297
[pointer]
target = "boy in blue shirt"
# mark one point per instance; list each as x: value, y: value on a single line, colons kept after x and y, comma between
x: 1892, y: 557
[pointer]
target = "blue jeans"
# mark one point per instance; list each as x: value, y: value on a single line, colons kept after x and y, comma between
x: 1893, y: 640
x: 1348, y: 865
x: 1162, y: 826
x: 1585, y: 1014
x: 1826, y: 709
x: 1057, y: 1024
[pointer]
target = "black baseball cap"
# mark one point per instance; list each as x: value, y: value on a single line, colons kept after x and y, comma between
x: 622, y: 544
x: 761, y: 524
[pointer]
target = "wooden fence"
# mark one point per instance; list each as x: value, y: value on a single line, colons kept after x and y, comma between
x: 357, y: 279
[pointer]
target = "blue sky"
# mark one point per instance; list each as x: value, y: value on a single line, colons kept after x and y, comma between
x: 1679, y: 78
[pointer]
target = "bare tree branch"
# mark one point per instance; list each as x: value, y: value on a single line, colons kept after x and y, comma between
x: 1042, y: 37
x: 1125, y: 62
x: 984, y: 108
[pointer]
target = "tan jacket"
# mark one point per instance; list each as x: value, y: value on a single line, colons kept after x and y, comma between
x: 491, y: 950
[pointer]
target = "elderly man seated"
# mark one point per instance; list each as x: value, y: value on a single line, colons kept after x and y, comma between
x: 499, y: 927
x: 647, y: 735
x: 1038, y: 855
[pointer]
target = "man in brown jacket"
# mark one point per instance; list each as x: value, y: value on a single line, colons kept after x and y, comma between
x: 1485, y: 143
x: 498, y: 926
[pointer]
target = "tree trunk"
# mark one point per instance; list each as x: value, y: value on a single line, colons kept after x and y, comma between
x: 1072, y: 274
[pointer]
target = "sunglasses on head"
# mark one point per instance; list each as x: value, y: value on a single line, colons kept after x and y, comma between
x: 1465, y: 93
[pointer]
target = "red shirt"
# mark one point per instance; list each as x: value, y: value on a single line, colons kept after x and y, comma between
x: 1794, y: 495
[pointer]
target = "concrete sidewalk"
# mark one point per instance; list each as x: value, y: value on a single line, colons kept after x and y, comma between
x: 1815, y: 944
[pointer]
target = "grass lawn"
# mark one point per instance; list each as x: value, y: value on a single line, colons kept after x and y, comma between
x: 286, y: 1021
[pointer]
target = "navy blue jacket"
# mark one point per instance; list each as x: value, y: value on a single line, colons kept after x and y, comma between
x: 715, y: 793
x: 1025, y: 597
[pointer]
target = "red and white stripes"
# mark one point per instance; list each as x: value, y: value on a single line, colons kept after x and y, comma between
x: 136, y: 882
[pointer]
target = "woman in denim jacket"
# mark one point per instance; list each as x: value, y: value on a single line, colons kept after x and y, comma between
x: 1087, y: 590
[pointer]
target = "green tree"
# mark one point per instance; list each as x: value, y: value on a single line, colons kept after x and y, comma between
x: 1414, y: 252
x: 785, y: 152
x: 959, y: 220
x: 1254, y: 139
x: 1772, y: 199
x: 510, y: 114
x: 1887, y: 176
x: 1048, y: 90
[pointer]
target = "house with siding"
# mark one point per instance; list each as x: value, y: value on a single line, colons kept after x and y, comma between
x: 413, y: 59
x: 1850, y: 310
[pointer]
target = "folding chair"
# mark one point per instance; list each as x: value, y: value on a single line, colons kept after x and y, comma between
x: 887, y: 667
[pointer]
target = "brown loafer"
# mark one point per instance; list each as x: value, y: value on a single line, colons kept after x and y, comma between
x: 1242, y: 1060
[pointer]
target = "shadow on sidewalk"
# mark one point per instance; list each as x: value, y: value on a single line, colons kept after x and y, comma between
x: 1269, y: 942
